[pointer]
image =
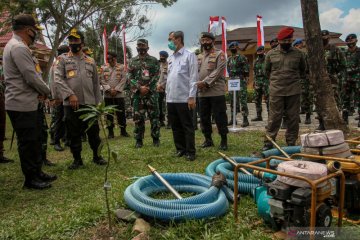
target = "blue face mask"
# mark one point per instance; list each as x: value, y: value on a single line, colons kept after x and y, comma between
x: 172, y: 46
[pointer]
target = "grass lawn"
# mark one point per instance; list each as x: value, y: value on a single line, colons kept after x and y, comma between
x: 74, y: 207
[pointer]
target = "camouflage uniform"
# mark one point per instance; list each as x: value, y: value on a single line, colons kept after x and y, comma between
x: 144, y: 72
x: 238, y: 67
x: 352, y: 84
x: 261, y: 85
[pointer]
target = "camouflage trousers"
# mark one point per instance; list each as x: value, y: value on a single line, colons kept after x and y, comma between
x: 351, y: 95
x: 307, y: 96
x: 241, y: 99
x: 142, y: 105
x: 261, y: 88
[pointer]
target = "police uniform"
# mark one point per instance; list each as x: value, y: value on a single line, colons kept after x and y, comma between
x: 77, y: 75
x: 115, y: 78
x: 24, y: 84
x: 144, y: 71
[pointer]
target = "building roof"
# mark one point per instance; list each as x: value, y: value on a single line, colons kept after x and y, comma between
x: 247, y: 36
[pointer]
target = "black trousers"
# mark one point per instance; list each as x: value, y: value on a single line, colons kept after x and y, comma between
x: 44, y: 130
x: 27, y: 126
x: 58, y: 124
x: 181, y: 119
x: 161, y: 106
x: 215, y: 106
x: 74, y: 126
x: 120, y: 115
x: 2, y: 123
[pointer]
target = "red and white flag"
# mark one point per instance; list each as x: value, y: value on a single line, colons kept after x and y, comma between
x: 213, y: 24
x: 113, y: 33
x: 105, y: 43
x: 124, y: 45
x: 260, y: 31
x: 224, y: 42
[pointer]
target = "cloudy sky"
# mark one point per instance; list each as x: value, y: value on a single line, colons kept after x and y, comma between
x: 192, y: 17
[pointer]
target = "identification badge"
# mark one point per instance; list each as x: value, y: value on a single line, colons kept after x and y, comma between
x: 71, y: 73
x: 146, y: 73
x: 37, y: 68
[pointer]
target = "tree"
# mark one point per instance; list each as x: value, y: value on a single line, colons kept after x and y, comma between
x: 325, y: 101
x: 60, y: 16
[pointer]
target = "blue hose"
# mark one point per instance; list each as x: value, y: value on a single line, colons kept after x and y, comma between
x: 246, y: 184
x: 208, y: 202
x: 274, y: 152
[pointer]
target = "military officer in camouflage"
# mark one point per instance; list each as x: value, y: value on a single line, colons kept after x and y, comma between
x: 335, y: 66
x: 261, y: 83
x: 77, y: 80
x: 211, y: 87
x: 238, y: 68
x: 285, y: 66
x: 306, y: 88
x: 113, y: 80
x: 143, y: 75
x: 352, y: 84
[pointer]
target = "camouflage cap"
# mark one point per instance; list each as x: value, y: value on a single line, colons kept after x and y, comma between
x: 25, y: 20
x: 207, y: 35
x: 142, y: 41
x: 350, y: 36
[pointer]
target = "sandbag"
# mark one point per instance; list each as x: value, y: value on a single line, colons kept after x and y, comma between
x: 322, y: 139
x: 309, y: 170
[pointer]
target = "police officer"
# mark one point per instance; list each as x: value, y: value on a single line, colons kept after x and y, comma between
x: 113, y: 79
x: 261, y: 83
x: 143, y: 75
x: 238, y: 67
x: 24, y: 88
x: 306, y: 89
x: 57, y: 125
x: 76, y: 78
x: 352, y: 84
x: 335, y: 65
x: 161, y: 86
x: 211, y: 86
x: 285, y: 88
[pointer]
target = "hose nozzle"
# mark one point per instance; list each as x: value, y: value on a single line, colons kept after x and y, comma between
x: 333, y: 166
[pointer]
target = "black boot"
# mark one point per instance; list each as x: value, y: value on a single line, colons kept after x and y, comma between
x: 124, y: 133
x: 307, y: 119
x: 76, y: 164
x: 208, y: 142
x: 47, y: 177
x: 346, y: 117
x: 156, y: 142
x: 258, y: 117
x: 321, y: 126
x: 223, y: 143
x: 267, y: 146
x: 99, y: 160
x: 36, y: 183
x: 245, y: 122
x: 58, y: 147
x: 111, y: 133
x: 139, y: 143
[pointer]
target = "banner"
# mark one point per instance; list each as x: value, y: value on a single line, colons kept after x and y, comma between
x: 213, y: 24
x: 224, y: 42
x: 124, y: 46
x: 105, y: 43
x: 260, y: 31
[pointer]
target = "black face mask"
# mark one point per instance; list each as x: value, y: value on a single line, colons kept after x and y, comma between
x: 207, y: 46
x: 233, y: 50
x: 285, y: 46
x: 162, y: 60
x: 351, y: 45
x: 75, y: 47
x: 142, y: 51
x: 325, y: 42
x: 261, y: 55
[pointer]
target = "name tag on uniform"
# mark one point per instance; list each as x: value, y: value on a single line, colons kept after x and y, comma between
x: 234, y: 85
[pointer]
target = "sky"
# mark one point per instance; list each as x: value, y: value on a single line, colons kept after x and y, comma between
x: 192, y: 17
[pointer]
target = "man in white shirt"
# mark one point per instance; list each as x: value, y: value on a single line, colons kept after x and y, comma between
x: 181, y: 95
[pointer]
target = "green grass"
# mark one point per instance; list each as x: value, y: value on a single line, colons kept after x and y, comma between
x: 74, y: 207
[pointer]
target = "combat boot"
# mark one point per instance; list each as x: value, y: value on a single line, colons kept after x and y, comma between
x: 208, y: 142
x: 76, y: 164
x: 111, y: 133
x: 99, y: 160
x: 124, y: 133
x: 223, y: 144
x: 258, y: 117
x: 346, y: 117
x: 307, y: 119
x: 267, y: 146
x: 245, y: 122
x: 139, y: 143
x: 321, y: 126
